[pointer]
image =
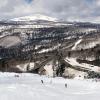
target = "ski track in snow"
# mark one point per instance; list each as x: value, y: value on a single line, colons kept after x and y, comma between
x: 29, y: 87
x: 74, y: 47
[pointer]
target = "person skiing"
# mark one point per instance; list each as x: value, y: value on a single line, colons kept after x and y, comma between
x: 28, y: 67
x: 42, y: 81
x: 65, y: 85
x: 16, y: 75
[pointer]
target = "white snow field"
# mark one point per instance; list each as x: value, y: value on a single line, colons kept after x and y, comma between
x: 29, y: 87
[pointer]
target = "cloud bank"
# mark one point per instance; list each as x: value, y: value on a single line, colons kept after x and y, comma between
x: 69, y: 10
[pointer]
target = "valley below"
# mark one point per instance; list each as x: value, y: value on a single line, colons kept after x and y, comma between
x: 50, y: 47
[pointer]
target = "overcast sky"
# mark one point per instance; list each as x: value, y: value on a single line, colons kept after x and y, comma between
x: 72, y: 10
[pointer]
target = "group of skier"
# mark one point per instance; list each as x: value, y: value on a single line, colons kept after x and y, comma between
x: 65, y: 83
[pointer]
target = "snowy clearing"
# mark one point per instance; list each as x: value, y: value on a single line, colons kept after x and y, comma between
x: 29, y: 87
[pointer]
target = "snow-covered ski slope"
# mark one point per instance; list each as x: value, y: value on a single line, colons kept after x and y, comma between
x: 29, y: 87
x: 73, y: 62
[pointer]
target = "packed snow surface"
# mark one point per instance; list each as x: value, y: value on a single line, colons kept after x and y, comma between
x: 29, y: 87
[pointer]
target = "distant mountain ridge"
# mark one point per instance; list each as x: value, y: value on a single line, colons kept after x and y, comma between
x: 34, y: 17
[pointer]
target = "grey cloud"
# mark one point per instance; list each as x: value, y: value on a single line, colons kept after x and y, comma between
x: 62, y: 9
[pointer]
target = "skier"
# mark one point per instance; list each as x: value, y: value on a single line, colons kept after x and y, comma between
x: 65, y: 85
x: 42, y: 81
x: 16, y: 75
x: 28, y: 67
